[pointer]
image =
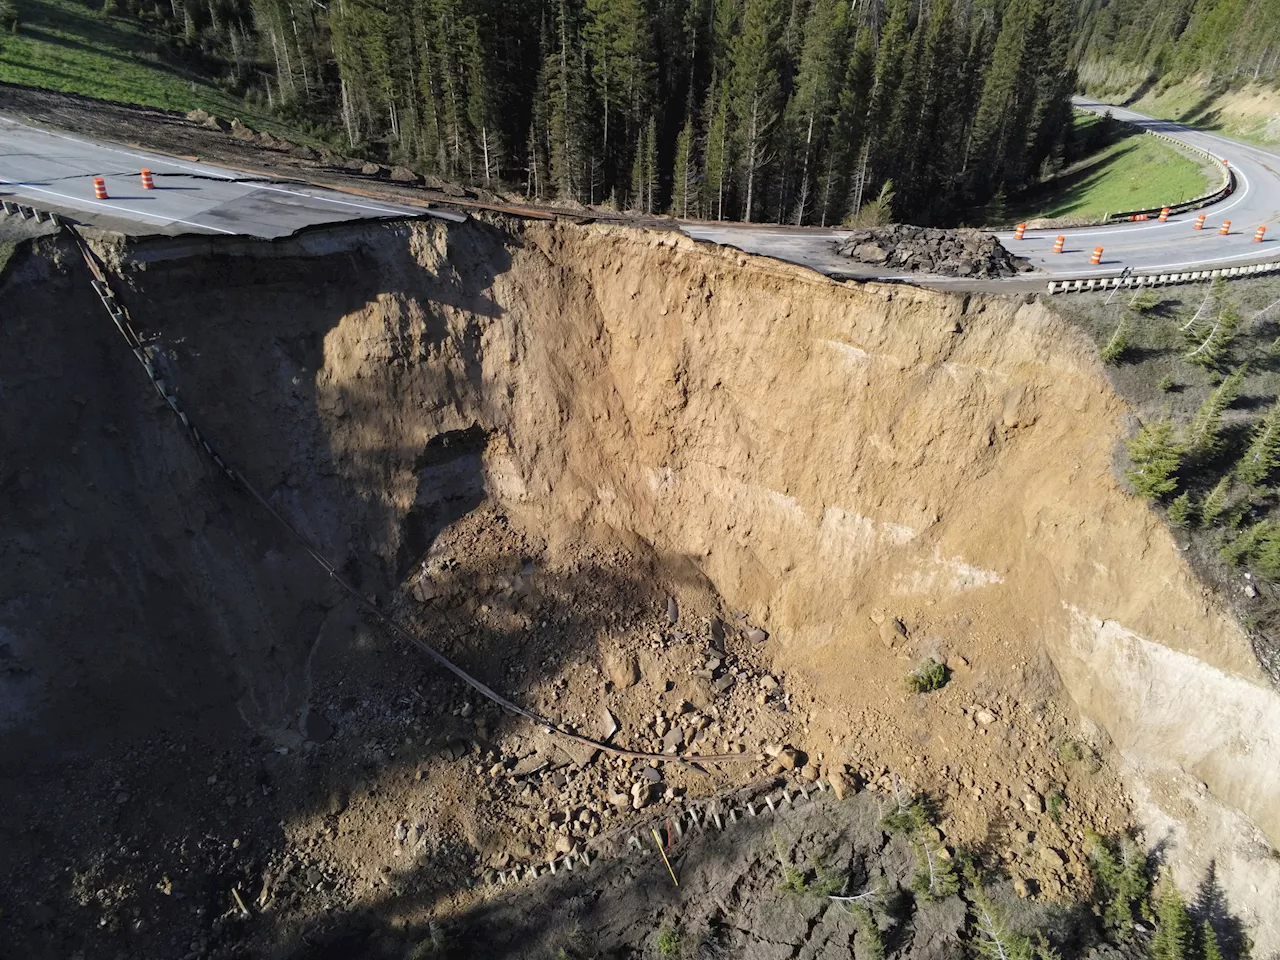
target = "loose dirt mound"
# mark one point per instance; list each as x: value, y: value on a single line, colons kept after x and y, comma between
x: 948, y: 253
x: 523, y: 439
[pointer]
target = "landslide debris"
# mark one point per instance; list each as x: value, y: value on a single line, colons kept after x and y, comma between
x: 730, y: 502
x: 929, y: 250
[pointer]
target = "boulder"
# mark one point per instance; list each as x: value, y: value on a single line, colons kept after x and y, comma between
x: 403, y: 175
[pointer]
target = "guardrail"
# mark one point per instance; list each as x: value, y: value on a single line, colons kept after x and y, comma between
x: 1161, y: 279
x: 1227, y: 187
x: 11, y: 209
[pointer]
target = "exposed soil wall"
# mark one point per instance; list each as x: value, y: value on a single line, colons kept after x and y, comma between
x: 827, y: 457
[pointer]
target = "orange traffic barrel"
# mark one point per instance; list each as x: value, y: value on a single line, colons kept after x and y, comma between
x: 1020, y: 231
x: 1262, y: 231
x: 1059, y: 244
x: 1200, y: 221
x: 100, y: 188
x: 147, y: 182
x: 1097, y: 256
x: 1164, y: 214
x: 1226, y: 228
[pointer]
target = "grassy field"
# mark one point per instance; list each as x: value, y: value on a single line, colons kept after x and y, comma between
x: 1132, y: 173
x: 1250, y: 112
x: 69, y: 46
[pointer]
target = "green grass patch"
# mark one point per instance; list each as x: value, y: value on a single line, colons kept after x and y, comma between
x: 1132, y: 173
x: 929, y: 676
x: 6, y: 252
x: 71, y: 47
x: 1247, y: 114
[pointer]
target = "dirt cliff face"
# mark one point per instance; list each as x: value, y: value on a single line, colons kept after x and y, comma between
x: 832, y: 460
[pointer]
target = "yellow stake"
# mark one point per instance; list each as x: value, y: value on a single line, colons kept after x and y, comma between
x: 658, y: 841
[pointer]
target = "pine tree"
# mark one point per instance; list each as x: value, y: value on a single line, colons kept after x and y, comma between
x: 1123, y: 880
x: 935, y: 876
x: 1215, y: 502
x: 1215, y: 344
x: 816, y: 95
x: 754, y: 93
x: 1116, y: 347
x: 848, y: 155
x: 1172, y: 940
x: 1004, y: 111
x: 482, y: 109
x: 889, y: 68
x: 1209, y: 940
x: 1156, y: 454
x: 1180, y: 510
x: 618, y: 39
x: 869, y: 941
x: 1202, y: 438
x: 566, y: 92
x: 683, y: 175
x: 1263, y: 455
x: 717, y: 155
x: 996, y: 939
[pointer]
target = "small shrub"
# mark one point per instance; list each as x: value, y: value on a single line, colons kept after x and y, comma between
x: 1144, y: 301
x: 911, y: 815
x: 827, y: 882
x: 668, y: 943
x: 929, y: 676
x: 1075, y: 752
x: 8, y: 16
x: 437, y: 945
x: 793, y: 880
x: 1166, y: 384
x: 1055, y: 803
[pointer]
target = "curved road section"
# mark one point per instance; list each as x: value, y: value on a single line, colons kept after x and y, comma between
x: 54, y: 171
x: 1146, y: 247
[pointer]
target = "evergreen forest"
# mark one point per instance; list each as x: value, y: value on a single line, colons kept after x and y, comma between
x: 821, y: 112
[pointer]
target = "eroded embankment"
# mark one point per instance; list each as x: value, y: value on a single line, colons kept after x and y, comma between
x: 827, y: 456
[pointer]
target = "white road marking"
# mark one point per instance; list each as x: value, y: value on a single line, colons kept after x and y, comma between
x: 146, y: 215
x: 208, y: 171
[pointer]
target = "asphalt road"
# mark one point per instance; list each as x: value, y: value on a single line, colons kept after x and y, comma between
x: 1146, y: 246
x: 55, y: 171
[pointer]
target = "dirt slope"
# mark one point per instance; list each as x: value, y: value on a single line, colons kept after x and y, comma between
x: 872, y: 475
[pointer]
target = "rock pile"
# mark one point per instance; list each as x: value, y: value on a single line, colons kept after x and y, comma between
x: 950, y: 253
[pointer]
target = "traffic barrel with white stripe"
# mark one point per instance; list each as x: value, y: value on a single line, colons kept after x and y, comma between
x: 1226, y: 228
x: 100, y: 188
x: 1097, y: 256
x: 1262, y: 232
x: 147, y: 182
x: 1059, y: 244
x: 1019, y: 231
x: 1200, y: 221
x: 1164, y: 214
